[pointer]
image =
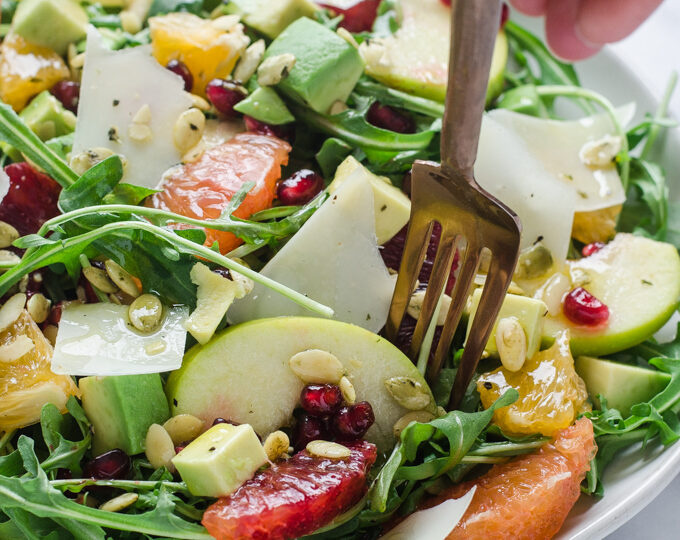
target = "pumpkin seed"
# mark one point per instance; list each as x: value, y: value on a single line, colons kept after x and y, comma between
x: 327, y: 449
x: 415, y: 306
x: 347, y: 390
x: 146, y: 313
x: 600, y: 153
x: 317, y: 366
x: 534, y: 262
x: 275, y: 68
x: 8, y: 234
x: 120, y: 503
x: 408, y: 392
x: 188, y: 129
x: 122, y: 278
x: 276, y: 445
x: 11, y: 310
x: 198, y: 102
x: 183, y: 428
x: 99, y: 279
x: 159, y: 447
x: 50, y: 332
x: 511, y: 342
x: 8, y: 258
x: 249, y: 61
x: 226, y: 22
x: 38, y: 307
x: 414, y: 416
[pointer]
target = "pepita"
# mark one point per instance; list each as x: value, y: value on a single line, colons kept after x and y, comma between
x: 276, y: 445
x: 198, y: 102
x: 275, y: 68
x: 11, y: 310
x: 159, y: 447
x: 415, y: 306
x: 121, y: 278
x: 337, y: 108
x: 413, y: 416
x: 327, y: 449
x: 38, y: 307
x: 50, y: 332
x: 15, y: 349
x: 347, y: 390
x: 130, y: 22
x: 347, y: 36
x: 194, y: 153
x: 146, y: 313
x: 511, y: 342
x: 183, y: 428
x: 188, y: 129
x: 8, y: 234
x: 602, y: 152
x: 225, y: 22
x: 99, y: 279
x: 249, y: 61
x: 82, y: 162
x: 317, y: 366
x: 408, y: 392
x: 120, y: 503
x: 8, y: 258
x: 534, y: 262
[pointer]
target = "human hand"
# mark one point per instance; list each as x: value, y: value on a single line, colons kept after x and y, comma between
x: 577, y: 29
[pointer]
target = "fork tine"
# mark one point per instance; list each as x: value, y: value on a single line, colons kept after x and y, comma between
x: 415, y: 249
x: 461, y: 290
x: 497, y: 281
x: 438, y: 278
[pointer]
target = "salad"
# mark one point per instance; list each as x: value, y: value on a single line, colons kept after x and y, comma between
x: 203, y: 207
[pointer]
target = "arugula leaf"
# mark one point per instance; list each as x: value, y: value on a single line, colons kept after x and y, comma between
x: 160, y: 7
x: 64, y: 454
x: 128, y: 194
x: 93, y: 186
x: 333, y: 151
x: 396, y: 98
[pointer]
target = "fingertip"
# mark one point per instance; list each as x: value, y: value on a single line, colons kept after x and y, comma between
x: 561, y: 33
x: 606, y: 21
x: 530, y: 7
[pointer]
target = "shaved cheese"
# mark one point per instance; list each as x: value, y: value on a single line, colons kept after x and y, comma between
x: 557, y: 144
x: 115, y: 86
x: 4, y: 184
x: 435, y: 523
x: 333, y: 259
x: 97, y: 339
x: 508, y: 169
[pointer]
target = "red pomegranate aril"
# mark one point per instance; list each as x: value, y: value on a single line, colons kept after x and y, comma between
x: 321, y: 399
x: 505, y: 14
x: 111, y: 465
x: 308, y: 428
x: 386, y: 117
x: 581, y: 307
x: 352, y: 422
x: 590, y: 249
x: 284, y: 131
x: 68, y: 92
x: 224, y: 95
x: 446, y: 2
x: 180, y: 68
x: 300, y: 188
x: 357, y: 17
x: 219, y: 420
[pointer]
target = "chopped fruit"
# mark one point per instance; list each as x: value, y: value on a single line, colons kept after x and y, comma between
x: 386, y: 117
x: 321, y: 399
x: 581, y: 307
x: 293, y: 498
x: 353, y: 421
x: 308, y: 428
x: 597, y: 225
x: 224, y: 95
x: 300, y: 188
x: 68, y: 23
x: 27, y: 383
x: 68, y: 93
x: 271, y: 17
x: 203, y: 188
x: 112, y: 465
x: 207, y: 50
x: 529, y: 496
x: 590, y: 249
x: 26, y: 70
x: 358, y: 16
x: 551, y: 394
x: 284, y: 132
x: 180, y: 68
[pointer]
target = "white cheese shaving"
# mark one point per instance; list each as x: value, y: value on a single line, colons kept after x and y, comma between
x: 115, y: 86
x: 333, y: 259
x: 4, y: 184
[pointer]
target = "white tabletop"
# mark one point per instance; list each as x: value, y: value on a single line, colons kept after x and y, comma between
x: 654, y: 51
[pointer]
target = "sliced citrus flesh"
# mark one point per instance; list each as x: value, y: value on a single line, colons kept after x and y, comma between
x: 207, y: 50
x: 203, y: 188
x: 551, y: 394
x: 26, y: 70
x: 27, y: 382
x: 530, y: 496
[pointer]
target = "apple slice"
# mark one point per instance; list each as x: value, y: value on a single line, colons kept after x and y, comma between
x: 243, y: 374
x: 638, y: 279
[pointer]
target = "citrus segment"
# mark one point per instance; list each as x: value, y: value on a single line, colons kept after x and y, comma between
x: 551, y: 394
x: 203, y: 188
x: 26, y: 70
x: 530, y: 496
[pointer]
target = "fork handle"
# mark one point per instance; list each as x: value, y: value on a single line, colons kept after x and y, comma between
x: 474, y: 29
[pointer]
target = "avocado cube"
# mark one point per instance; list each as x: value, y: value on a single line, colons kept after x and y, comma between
x: 122, y: 408
x: 326, y: 69
x: 622, y: 385
x: 67, y: 23
x: 529, y: 311
x: 216, y: 463
x: 265, y: 105
x: 271, y: 17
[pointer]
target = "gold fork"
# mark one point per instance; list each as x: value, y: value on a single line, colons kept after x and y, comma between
x: 447, y: 193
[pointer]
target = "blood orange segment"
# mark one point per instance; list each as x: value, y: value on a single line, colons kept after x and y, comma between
x: 294, y: 498
x: 202, y: 189
x: 530, y: 496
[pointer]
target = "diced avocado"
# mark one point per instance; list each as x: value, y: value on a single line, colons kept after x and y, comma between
x: 622, y: 385
x: 122, y: 408
x: 216, y: 463
x: 392, y: 206
x: 67, y: 23
x: 326, y: 66
x: 271, y: 17
x: 529, y: 311
x: 265, y: 105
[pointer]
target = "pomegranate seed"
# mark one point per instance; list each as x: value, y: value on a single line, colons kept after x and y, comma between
x: 180, y: 68
x: 321, y: 399
x: 224, y: 95
x: 446, y: 2
x: 55, y: 313
x: 590, y: 249
x: 181, y: 447
x: 224, y: 421
x: 308, y: 428
x: 31, y: 199
x: 357, y: 17
x: 505, y: 14
x: 284, y: 131
x: 386, y: 117
x: 581, y: 307
x: 111, y: 465
x: 68, y: 92
x: 352, y: 422
x: 90, y: 296
x: 300, y: 188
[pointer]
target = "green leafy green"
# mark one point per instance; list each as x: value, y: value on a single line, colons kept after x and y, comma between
x: 63, y: 453
x: 92, y: 186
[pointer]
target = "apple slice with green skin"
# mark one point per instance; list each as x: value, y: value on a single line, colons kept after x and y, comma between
x: 638, y: 279
x: 415, y: 58
x: 243, y: 374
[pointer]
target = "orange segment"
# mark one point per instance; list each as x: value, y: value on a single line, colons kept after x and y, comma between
x: 207, y: 50
x: 26, y: 70
x: 551, y: 394
x: 203, y: 188
x: 26, y: 384
x: 530, y: 496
